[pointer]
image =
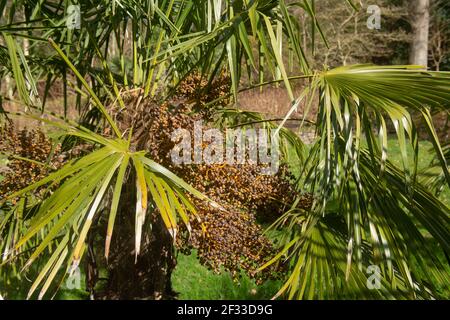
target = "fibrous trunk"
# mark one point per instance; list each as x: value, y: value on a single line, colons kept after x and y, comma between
x: 147, y: 276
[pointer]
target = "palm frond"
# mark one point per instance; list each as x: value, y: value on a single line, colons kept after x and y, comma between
x: 383, y: 210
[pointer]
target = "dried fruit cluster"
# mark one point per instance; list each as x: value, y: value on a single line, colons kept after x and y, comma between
x: 28, y: 144
x: 244, y: 187
x: 197, y: 90
x: 229, y: 238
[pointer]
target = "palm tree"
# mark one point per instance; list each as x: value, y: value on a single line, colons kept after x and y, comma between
x: 366, y: 212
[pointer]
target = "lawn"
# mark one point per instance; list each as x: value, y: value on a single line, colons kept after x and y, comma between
x: 195, y: 282
x: 426, y: 156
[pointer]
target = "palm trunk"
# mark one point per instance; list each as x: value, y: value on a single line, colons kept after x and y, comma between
x: 148, y: 277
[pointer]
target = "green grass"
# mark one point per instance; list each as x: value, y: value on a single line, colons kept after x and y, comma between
x: 426, y: 156
x: 195, y: 282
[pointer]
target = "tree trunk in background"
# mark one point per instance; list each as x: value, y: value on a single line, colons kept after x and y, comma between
x: 420, y: 16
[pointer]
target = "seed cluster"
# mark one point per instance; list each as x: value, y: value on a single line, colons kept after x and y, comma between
x: 244, y: 186
x: 229, y: 238
x: 28, y: 144
x: 197, y: 90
